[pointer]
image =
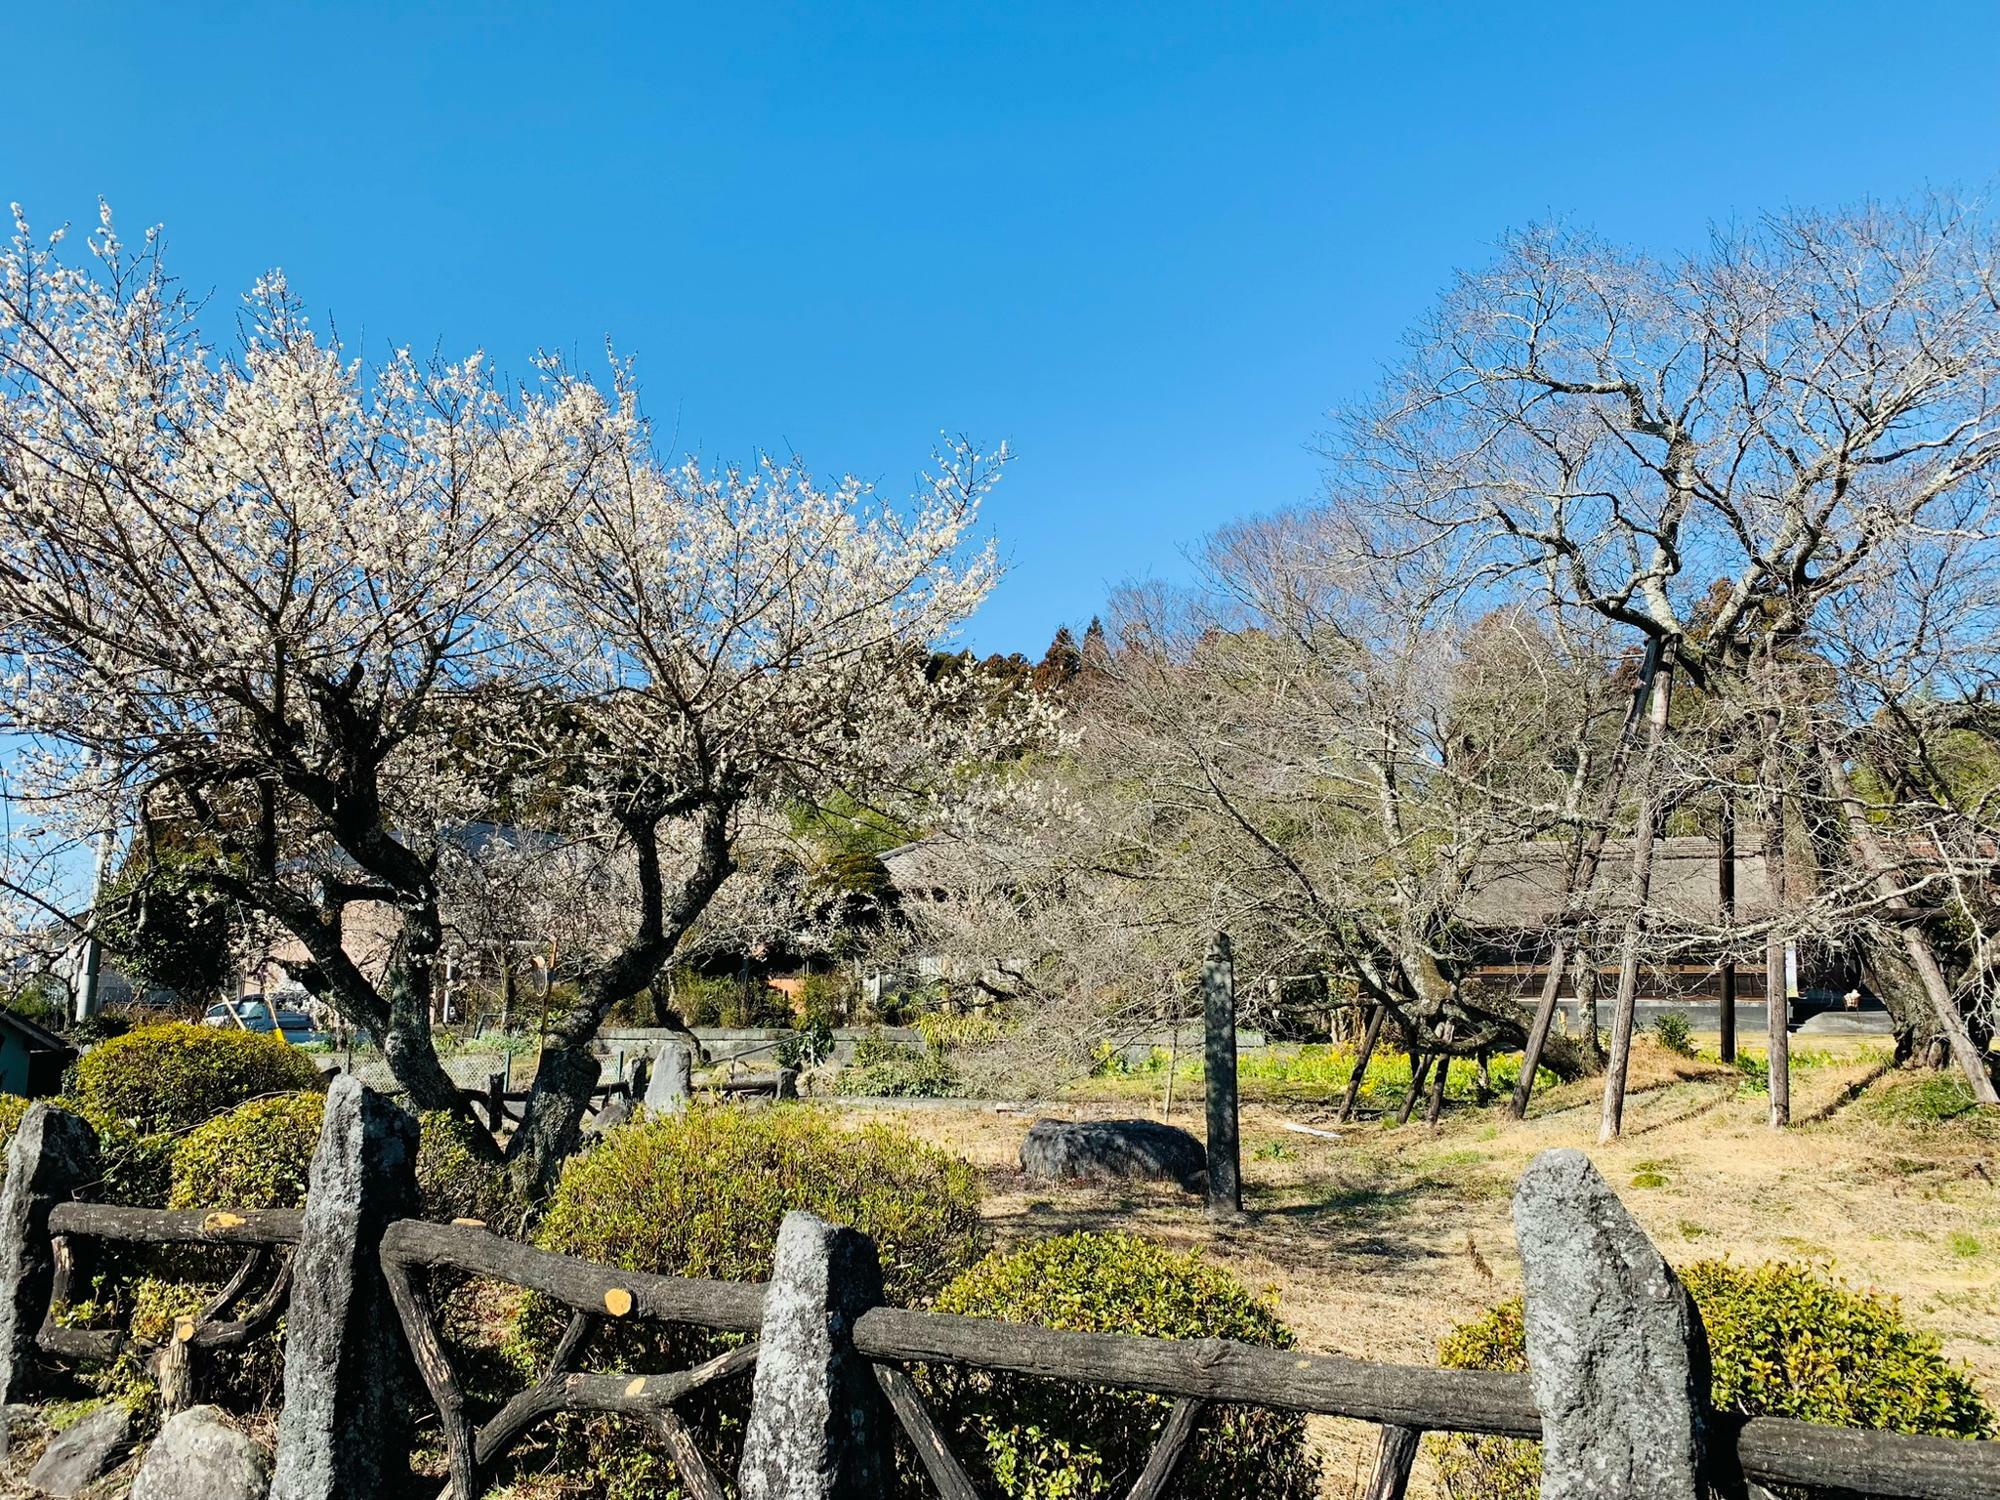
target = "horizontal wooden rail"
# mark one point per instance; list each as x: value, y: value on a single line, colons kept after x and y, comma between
x: 736, y: 1307
x: 1771, y: 1450
x: 170, y: 1226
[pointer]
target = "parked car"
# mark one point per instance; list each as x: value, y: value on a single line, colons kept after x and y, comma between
x: 255, y: 1014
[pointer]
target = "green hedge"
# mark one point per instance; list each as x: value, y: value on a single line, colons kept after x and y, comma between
x: 256, y: 1156
x: 173, y: 1076
x: 702, y: 1194
x: 1785, y: 1341
x: 1048, y: 1440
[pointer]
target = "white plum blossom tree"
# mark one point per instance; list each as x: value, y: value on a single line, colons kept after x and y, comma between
x: 318, y: 615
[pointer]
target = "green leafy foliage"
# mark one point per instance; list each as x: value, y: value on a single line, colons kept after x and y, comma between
x: 1040, y: 1440
x: 256, y: 1156
x: 1672, y: 1031
x: 13, y: 1108
x: 890, y: 1070
x: 167, y: 924
x: 702, y: 1194
x: 455, y: 1178
x: 1785, y: 1340
x: 173, y: 1076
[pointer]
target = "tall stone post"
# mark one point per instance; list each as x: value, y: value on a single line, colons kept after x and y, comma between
x: 349, y: 1384
x: 815, y: 1430
x: 671, y: 1080
x: 1225, y: 1166
x: 1616, y: 1351
x: 53, y: 1154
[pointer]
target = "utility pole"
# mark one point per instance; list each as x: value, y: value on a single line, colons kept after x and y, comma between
x: 93, y: 958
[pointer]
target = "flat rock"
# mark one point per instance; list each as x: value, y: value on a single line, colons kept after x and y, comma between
x: 1113, y: 1151
x: 81, y: 1454
x: 200, y: 1456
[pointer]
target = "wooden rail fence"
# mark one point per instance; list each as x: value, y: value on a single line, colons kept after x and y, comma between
x: 829, y: 1365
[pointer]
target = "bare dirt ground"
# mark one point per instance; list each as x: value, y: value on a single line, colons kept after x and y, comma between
x: 1377, y: 1244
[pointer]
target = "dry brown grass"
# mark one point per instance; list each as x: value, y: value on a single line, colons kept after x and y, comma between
x: 1379, y: 1243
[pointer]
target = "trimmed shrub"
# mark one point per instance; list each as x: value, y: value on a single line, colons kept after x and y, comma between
x: 1040, y: 1440
x: 173, y: 1076
x: 1785, y: 1341
x: 256, y: 1156
x: 702, y: 1194
x: 454, y: 1180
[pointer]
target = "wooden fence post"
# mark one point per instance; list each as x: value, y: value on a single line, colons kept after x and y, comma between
x: 52, y: 1155
x: 1225, y: 1165
x: 815, y: 1430
x: 349, y: 1383
x: 1395, y: 1456
x: 1616, y: 1351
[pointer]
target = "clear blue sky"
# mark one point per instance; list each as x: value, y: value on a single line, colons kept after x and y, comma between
x: 1149, y: 246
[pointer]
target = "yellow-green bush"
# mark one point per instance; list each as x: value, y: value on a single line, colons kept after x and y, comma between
x: 1041, y: 1440
x: 1784, y: 1340
x: 173, y: 1076
x: 13, y: 1107
x: 256, y: 1156
x: 454, y: 1179
x: 702, y: 1194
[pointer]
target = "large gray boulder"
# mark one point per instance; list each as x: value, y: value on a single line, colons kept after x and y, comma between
x: 200, y: 1456
x: 81, y: 1454
x: 1616, y: 1350
x: 1112, y: 1151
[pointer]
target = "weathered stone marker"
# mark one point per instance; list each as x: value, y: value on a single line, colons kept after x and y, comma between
x: 348, y: 1383
x: 52, y: 1155
x: 1225, y: 1164
x: 671, y: 1080
x: 815, y: 1429
x: 1615, y: 1347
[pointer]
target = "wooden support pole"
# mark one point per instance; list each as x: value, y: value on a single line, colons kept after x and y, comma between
x: 1361, y: 1055
x: 1652, y: 827
x: 1420, y: 1068
x: 1438, y: 1081
x: 1225, y: 1167
x: 1777, y: 986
